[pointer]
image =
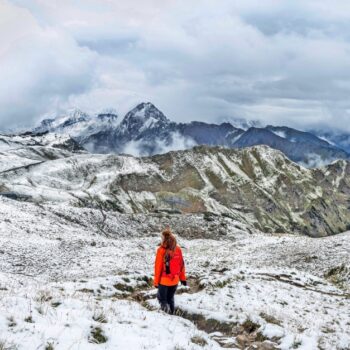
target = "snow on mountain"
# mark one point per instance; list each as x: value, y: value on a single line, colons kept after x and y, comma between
x: 335, y: 137
x: 294, y: 135
x: 301, y: 147
x: 145, y: 130
x: 143, y: 116
x: 245, y: 124
x: 258, y: 186
x: 76, y: 259
x: 46, y: 139
x: 78, y: 124
x: 78, y: 237
x: 281, y: 134
x: 72, y: 117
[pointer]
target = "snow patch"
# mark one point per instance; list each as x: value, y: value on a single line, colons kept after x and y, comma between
x: 280, y: 133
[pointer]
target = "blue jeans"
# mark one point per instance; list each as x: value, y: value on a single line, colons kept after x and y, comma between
x: 165, y: 297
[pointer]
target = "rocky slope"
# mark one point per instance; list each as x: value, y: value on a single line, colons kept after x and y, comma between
x: 258, y: 186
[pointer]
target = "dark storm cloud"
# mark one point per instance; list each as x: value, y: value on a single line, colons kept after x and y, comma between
x: 287, y: 62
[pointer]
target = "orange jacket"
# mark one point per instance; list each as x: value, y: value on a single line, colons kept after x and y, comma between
x: 159, y: 267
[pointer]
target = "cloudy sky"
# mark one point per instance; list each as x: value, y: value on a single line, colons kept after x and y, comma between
x: 287, y: 62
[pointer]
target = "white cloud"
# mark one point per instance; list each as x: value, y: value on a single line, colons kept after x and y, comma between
x: 315, y: 161
x: 284, y: 63
x: 39, y: 67
x: 176, y: 142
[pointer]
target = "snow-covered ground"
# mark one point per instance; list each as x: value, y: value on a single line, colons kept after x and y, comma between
x: 71, y: 277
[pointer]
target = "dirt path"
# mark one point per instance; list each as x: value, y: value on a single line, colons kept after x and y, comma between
x: 229, y: 335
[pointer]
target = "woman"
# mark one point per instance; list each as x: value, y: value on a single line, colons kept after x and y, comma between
x: 169, y: 269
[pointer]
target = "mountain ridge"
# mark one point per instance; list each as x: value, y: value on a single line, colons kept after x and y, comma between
x: 145, y: 130
x: 258, y: 186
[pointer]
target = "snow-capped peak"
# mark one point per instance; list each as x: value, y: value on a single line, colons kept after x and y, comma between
x: 70, y: 117
x: 79, y: 124
x: 73, y: 115
x: 145, y: 115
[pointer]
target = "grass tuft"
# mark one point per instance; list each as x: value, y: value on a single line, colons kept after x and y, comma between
x: 49, y: 346
x: 199, y: 341
x: 250, y: 326
x: 29, y: 319
x: 100, y: 316
x: 11, y: 322
x: 97, y: 336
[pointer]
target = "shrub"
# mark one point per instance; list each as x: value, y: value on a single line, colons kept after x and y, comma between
x: 29, y: 319
x: 296, y: 344
x: 250, y: 326
x: 260, y: 337
x: 97, y: 336
x: 123, y: 287
x: 49, y: 346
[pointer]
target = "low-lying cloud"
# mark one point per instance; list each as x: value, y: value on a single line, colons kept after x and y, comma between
x: 175, y: 142
x: 316, y: 161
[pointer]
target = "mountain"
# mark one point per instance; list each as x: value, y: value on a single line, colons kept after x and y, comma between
x: 143, y: 117
x: 210, y: 134
x: 144, y: 124
x: 297, y: 136
x: 78, y: 124
x: 78, y: 242
x: 35, y: 139
x: 245, y: 124
x: 258, y: 185
x: 299, y: 146
x: 145, y: 131
x: 150, y: 132
x: 335, y: 137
